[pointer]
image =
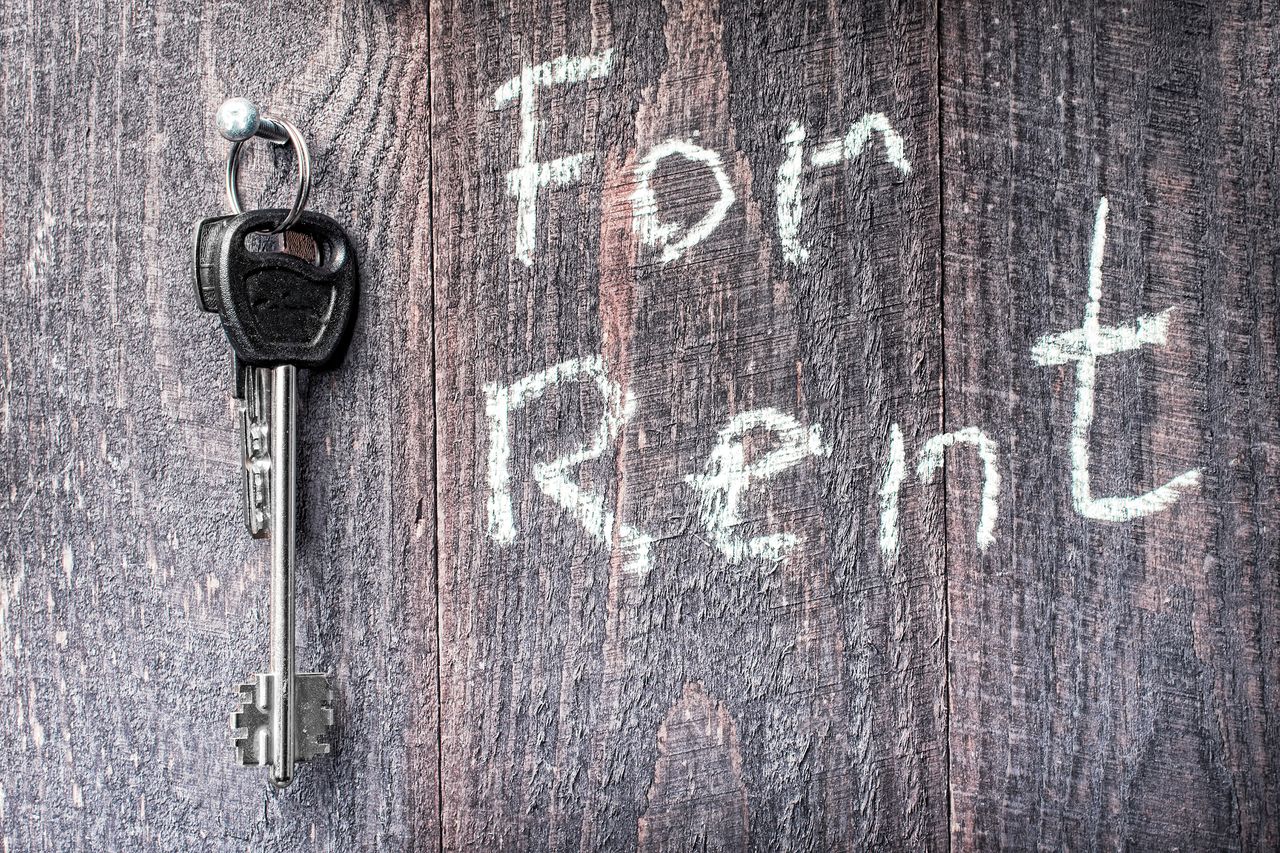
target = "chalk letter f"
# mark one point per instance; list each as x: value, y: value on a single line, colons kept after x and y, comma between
x: 524, y: 181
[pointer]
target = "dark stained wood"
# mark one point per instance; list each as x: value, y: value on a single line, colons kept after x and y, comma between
x: 132, y: 599
x: 563, y: 664
x: 1114, y: 684
x: 1078, y: 684
x: 864, y: 314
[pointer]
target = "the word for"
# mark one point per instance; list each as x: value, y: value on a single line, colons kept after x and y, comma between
x: 671, y: 240
x: 727, y: 476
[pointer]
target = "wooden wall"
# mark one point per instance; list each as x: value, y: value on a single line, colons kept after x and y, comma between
x: 611, y: 542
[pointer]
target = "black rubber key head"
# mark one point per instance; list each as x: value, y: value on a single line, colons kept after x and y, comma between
x: 277, y: 308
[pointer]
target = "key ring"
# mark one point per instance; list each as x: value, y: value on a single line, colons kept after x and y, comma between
x: 239, y: 120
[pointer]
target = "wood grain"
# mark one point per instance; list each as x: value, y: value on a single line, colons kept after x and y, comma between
x: 561, y: 658
x: 612, y: 674
x: 698, y: 798
x: 133, y: 600
x: 1114, y: 685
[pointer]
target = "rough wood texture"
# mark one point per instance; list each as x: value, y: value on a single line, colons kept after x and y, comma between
x: 131, y: 599
x: 627, y: 660
x: 566, y: 651
x: 1115, y: 685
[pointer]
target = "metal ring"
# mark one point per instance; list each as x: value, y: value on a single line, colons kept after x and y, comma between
x: 304, y: 175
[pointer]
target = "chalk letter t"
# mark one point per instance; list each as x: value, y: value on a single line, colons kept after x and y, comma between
x: 1084, y: 346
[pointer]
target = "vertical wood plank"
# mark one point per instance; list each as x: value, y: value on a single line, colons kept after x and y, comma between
x: 586, y: 586
x: 131, y: 599
x: 1114, y: 683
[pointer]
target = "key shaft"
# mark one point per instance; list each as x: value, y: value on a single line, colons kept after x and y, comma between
x: 283, y: 434
x: 255, y: 448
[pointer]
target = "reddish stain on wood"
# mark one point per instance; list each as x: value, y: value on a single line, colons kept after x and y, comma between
x: 698, y: 798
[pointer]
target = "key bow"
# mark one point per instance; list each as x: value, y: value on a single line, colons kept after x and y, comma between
x: 277, y: 308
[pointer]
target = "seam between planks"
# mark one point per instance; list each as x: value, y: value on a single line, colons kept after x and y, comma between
x: 435, y: 426
x: 942, y: 417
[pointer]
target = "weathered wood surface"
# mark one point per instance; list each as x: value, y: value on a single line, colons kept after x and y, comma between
x: 131, y: 599
x: 577, y: 657
x: 614, y: 670
x: 1114, y: 684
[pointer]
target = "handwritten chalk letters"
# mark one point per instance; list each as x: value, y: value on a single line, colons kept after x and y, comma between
x: 531, y: 175
x: 727, y: 476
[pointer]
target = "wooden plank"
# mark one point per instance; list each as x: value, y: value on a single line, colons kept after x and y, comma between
x: 131, y: 599
x: 1114, y: 683
x: 636, y: 655
x: 624, y: 664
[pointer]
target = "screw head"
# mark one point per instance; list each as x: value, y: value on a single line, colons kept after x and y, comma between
x: 238, y: 119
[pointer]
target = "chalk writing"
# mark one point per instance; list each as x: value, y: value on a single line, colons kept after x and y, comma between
x: 727, y: 476
x: 787, y: 192
x: 654, y: 232
x: 930, y: 460
x: 531, y: 175
x: 1085, y: 346
x: 553, y: 478
x: 831, y: 153
x: 988, y: 451
x: 894, y: 472
x: 524, y: 181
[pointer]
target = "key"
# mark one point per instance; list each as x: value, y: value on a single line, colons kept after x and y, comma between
x: 279, y: 313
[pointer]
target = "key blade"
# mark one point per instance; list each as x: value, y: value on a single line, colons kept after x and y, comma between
x: 314, y: 714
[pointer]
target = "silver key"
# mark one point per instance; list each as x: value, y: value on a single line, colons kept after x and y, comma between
x: 284, y: 715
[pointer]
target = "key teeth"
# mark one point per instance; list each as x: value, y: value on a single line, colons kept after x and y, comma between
x: 245, y: 754
x: 250, y: 722
x: 246, y: 721
x: 247, y: 693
